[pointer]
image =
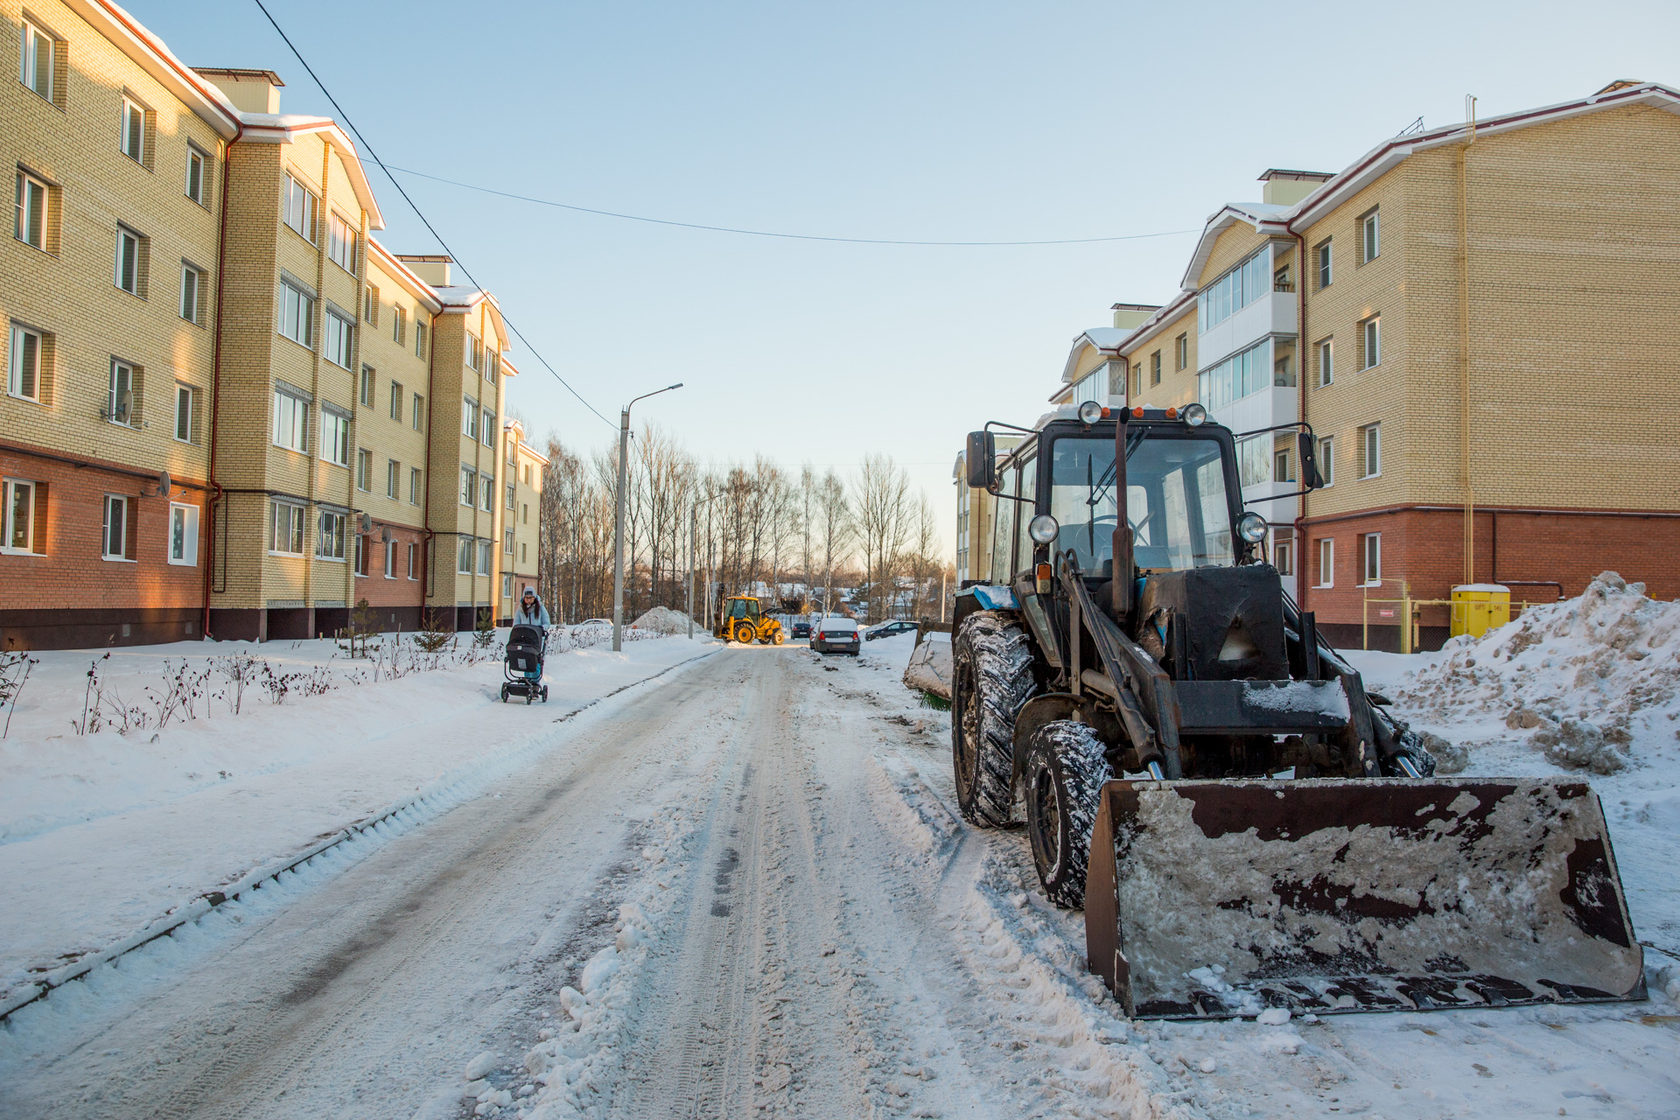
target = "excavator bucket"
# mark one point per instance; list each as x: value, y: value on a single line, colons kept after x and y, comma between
x: 1212, y: 899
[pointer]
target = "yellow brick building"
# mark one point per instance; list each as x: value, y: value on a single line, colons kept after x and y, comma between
x: 521, y: 514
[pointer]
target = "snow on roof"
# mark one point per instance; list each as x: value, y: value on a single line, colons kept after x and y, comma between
x: 146, y: 49
x: 284, y: 128
x: 1096, y: 338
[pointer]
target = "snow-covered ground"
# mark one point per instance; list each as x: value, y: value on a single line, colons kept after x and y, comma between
x: 742, y: 890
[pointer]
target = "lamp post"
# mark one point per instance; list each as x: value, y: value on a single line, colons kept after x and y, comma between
x: 618, y: 515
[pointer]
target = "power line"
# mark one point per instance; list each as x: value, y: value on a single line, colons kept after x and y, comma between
x: 772, y: 233
x: 345, y: 117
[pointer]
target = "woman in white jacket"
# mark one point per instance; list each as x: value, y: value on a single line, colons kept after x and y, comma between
x: 531, y: 612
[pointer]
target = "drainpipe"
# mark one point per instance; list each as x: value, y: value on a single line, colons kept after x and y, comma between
x: 216, y: 494
x: 1302, y: 352
x: 1464, y: 346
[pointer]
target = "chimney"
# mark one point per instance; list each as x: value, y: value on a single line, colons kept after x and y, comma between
x: 251, y: 91
x: 1286, y: 188
x: 433, y: 268
x: 1130, y: 316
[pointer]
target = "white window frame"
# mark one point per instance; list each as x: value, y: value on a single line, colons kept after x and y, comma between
x: 469, y: 418
x: 1370, y: 341
x: 507, y: 542
x: 1370, y: 236
x: 391, y: 560
x: 334, y: 444
x: 338, y: 338
x: 1370, y: 558
x: 186, y: 399
x: 330, y: 532
x: 492, y: 364
x: 192, y: 287
x: 30, y: 187
x: 1326, y: 562
x: 364, y: 386
x: 364, y: 470
x: 182, y: 546
x: 114, y: 530
x: 469, y: 487
x: 293, y: 541
x: 297, y: 312
x: 512, y: 496
x: 129, y: 242
x: 399, y: 325
x: 10, y: 488
x: 30, y: 70
x: 393, y: 479
x: 131, y: 140
x: 487, y: 429
x: 415, y: 482
x: 1327, y: 460
x: 124, y: 380
x: 486, y: 557
x: 291, y: 421
x: 419, y: 408
x: 475, y: 352
x: 397, y: 401
x: 21, y: 374
x: 1370, y: 450
x: 464, y: 557
x: 195, y: 184
x: 413, y: 560
x: 1326, y: 372
x: 1283, y: 557
x: 422, y: 338
x: 298, y: 206
x: 487, y: 493
x: 342, y: 242
x: 361, y: 556
x: 1323, y: 263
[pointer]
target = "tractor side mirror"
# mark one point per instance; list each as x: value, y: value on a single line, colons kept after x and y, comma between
x: 982, y: 461
x: 1310, y: 478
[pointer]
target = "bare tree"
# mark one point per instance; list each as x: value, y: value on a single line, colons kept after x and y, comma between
x: 834, y: 526
x: 882, y: 501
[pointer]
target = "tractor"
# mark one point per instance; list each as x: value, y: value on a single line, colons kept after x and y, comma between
x: 739, y: 619
x: 1244, y: 823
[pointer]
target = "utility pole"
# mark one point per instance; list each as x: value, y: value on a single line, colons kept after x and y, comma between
x: 693, y: 516
x: 618, y: 515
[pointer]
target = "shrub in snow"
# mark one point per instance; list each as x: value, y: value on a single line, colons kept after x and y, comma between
x: 435, y: 631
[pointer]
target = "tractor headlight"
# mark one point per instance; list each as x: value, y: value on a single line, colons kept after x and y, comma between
x: 1194, y: 415
x: 1090, y: 412
x: 1043, y: 528
x: 1251, y: 527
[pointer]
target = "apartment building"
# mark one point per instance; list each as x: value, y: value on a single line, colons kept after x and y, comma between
x: 1478, y: 323
x: 521, y: 514
x: 106, y: 297
x: 226, y: 403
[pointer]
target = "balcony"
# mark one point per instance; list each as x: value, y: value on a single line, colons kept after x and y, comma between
x: 1271, y: 315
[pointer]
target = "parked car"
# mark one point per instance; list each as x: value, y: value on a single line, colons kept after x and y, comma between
x: 836, y: 635
x: 888, y: 629
x: 802, y: 628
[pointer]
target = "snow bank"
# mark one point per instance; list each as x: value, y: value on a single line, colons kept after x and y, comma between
x: 664, y: 620
x: 1577, y: 680
x: 930, y: 669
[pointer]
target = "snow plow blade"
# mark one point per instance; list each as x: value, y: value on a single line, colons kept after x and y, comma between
x: 1212, y: 899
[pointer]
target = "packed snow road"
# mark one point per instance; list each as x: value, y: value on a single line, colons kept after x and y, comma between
x: 744, y: 891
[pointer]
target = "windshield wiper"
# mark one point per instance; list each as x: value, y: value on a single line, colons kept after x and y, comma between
x: 1113, y: 470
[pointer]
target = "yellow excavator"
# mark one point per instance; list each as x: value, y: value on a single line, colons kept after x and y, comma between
x: 739, y: 619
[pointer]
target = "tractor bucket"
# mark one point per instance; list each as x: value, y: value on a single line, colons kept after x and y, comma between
x: 1211, y: 899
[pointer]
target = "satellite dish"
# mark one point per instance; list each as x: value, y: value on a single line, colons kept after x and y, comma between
x: 385, y: 536
x: 165, y: 483
x: 365, y: 523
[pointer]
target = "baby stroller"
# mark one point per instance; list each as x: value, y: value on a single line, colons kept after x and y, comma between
x: 522, y: 664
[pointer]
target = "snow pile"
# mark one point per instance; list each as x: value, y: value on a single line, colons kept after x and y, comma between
x: 930, y: 669
x: 664, y: 620
x: 1580, y: 679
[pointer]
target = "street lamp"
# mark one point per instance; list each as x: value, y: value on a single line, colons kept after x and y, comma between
x: 618, y: 516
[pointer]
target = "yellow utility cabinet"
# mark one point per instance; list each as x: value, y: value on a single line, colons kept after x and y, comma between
x: 1479, y: 607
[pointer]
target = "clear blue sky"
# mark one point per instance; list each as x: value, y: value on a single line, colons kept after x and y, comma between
x: 917, y: 121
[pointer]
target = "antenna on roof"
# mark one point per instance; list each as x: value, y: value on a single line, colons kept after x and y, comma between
x: 1412, y: 129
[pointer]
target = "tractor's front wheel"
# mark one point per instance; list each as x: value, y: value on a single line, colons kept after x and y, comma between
x: 1067, y: 765
x: 744, y: 633
x: 992, y: 679
x: 778, y: 637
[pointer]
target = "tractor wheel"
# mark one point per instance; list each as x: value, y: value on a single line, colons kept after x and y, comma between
x: 744, y: 633
x: 992, y: 679
x: 1066, y: 768
x: 778, y: 637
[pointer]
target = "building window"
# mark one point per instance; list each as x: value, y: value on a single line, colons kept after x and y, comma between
x: 1370, y: 559
x: 413, y: 561
x: 1241, y: 375
x: 114, y: 532
x: 1326, y: 362
x: 198, y: 165
x: 1370, y: 451
x: 133, y: 139
x: 421, y: 342
x: 131, y: 262
x: 1370, y: 240
x: 1283, y: 468
x: 192, y: 293
x: 364, y: 469
x: 298, y: 205
x: 185, y: 399
x: 486, y: 493
x: 36, y: 69
x: 488, y: 429
x: 285, y: 532
x: 370, y: 305
x: 183, y: 534
x: 1155, y: 369
x: 291, y: 421
x: 1283, y: 558
x: 19, y: 514
x: 396, y: 400
x: 390, y: 559
x: 1181, y: 350
x: 1235, y: 290
x: 329, y: 545
x: 528, y: 477
x: 492, y: 365
x: 122, y: 401
x: 469, y: 486
x: 507, y: 583
x: 30, y: 226
x: 419, y: 411
x: 464, y: 560
x: 1327, y: 459
x: 469, y: 417
x: 414, y: 486
x: 511, y: 497
x: 507, y: 542
x: 484, y: 557
x: 24, y: 362
x: 1370, y: 342
x: 338, y: 338
x: 525, y: 514
x: 393, y: 479
x: 399, y: 326
x: 341, y: 243
x: 360, y: 562
x: 364, y: 387
x: 475, y: 352
x: 1326, y: 563
x: 1283, y: 373
x: 297, y: 314
x: 335, y: 436
x: 1321, y: 264
x: 522, y: 552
